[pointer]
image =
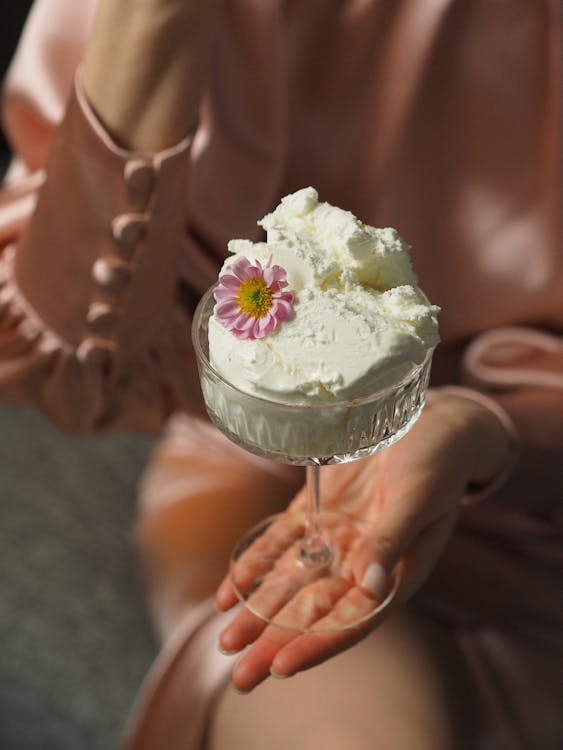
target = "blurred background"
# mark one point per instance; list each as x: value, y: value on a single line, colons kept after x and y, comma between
x: 75, y: 640
x: 12, y: 18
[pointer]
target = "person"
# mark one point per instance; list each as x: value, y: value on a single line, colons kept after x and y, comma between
x: 147, y: 134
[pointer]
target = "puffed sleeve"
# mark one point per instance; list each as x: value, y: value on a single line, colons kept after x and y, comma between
x: 90, y: 329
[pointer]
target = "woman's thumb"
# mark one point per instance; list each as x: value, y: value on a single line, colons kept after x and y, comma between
x: 375, y: 558
x: 373, y: 564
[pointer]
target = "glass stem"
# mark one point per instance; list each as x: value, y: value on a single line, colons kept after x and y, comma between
x: 315, y: 552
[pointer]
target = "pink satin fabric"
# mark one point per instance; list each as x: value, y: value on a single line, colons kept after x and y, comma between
x: 439, y: 118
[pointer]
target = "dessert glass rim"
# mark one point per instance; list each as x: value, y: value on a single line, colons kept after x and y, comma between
x: 203, y: 358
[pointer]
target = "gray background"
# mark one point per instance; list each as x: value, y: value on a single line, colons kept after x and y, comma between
x: 75, y: 640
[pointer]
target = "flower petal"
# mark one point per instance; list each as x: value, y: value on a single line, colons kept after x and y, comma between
x: 244, y: 322
x: 227, y: 308
x: 280, y: 275
x: 284, y: 309
x: 230, y: 281
x: 269, y: 276
x: 264, y: 326
x: 240, y: 268
x: 287, y: 296
x: 222, y: 293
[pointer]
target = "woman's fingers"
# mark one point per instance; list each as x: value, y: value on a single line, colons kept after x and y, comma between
x: 397, y: 524
x: 308, y: 650
x: 309, y: 606
x: 259, y: 559
x: 225, y: 596
x: 282, y: 653
x: 272, y: 596
x: 328, y: 607
x: 266, y: 552
x: 289, y: 591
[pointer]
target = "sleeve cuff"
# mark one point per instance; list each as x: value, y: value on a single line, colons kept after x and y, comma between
x: 105, y: 138
x: 99, y: 259
x: 475, y: 493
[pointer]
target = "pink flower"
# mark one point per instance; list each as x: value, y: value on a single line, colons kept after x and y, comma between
x: 250, y: 300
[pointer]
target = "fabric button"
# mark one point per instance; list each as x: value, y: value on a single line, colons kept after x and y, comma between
x: 96, y: 352
x: 140, y: 178
x: 101, y: 317
x: 111, y: 275
x: 128, y: 230
x: 49, y: 343
x: 28, y: 328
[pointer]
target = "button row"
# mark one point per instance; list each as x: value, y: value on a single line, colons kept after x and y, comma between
x: 113, y: 273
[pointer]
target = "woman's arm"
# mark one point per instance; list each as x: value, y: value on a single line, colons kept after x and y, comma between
x: 145, y: 66
x: 91, y: 331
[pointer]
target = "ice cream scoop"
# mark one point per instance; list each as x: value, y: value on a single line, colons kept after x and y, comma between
x: 337, y: 311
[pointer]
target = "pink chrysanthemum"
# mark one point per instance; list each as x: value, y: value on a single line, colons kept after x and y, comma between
x: 250, y: 300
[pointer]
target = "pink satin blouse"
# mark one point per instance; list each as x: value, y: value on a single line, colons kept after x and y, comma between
x: 440, y: 118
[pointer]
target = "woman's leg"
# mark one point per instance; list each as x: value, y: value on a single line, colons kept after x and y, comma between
x: 404, y: 687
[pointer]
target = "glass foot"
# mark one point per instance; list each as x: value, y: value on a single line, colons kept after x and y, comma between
x: 284, y: 582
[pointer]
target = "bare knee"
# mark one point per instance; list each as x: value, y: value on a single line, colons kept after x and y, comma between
x: 340, y: 734
x: 402, y: 688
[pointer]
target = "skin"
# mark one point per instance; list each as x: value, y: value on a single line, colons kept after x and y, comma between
x: 144, y: 68
x: 412, y: 492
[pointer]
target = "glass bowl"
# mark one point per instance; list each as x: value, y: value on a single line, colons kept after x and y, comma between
x: 301, y: 434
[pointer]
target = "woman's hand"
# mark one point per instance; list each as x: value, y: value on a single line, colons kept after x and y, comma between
x: 411, y: 493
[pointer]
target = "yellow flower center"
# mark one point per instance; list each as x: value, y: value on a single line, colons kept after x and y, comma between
x: 255, y: 297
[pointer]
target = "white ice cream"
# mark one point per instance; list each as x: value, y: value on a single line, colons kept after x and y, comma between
x: 360, y: 323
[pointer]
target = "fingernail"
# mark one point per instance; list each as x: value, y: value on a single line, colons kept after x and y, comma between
x: 239, y: 691
x: 278, y: 676
x: 226, y: 651
x: 375, y: 580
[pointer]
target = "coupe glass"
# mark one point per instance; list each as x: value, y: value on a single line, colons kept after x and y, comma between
x: 295, y: 566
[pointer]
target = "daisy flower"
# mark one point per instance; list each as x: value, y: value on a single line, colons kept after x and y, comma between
x: 250, y: 300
